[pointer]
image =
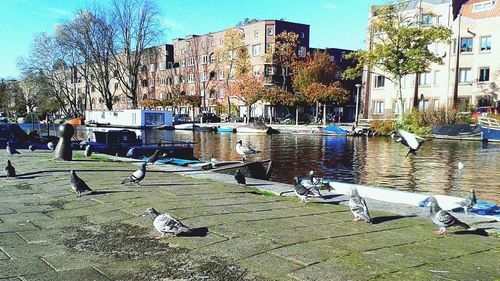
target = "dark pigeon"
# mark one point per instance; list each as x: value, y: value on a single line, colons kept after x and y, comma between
x: 154, y: 157
x: 240, y: 177
x: 10, y: 171
x: 78, y: 185
x: 31, y: 148
x: 11, y: 148
x: 88, y: 151
x: 443, y: 219
x: 137, y: 176
x: 301, y: 191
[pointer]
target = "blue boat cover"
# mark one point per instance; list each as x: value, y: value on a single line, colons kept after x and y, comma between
x: 174, y: 161
x: 334, y: 130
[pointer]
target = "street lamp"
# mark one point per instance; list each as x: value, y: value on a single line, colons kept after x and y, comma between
x: 358, y: 93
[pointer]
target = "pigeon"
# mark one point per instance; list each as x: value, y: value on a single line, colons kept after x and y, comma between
x: 9, y: 170
x: 137, y: 176
x: 165, y: 223
x: 312, y: 184
x: 412, y: 141
x: 469, y: 202
x: 243, y: 151
x: 11, y: 149
x: 31, y: 148
x: 78, y: 185
x: 240, y: 177
x: 88, y: 151
x: 358, y: 206
x: 460, y: 165
x: 301, y: 191
x: 442, y: 218
x: 154, y: 157
x: 51, y: 145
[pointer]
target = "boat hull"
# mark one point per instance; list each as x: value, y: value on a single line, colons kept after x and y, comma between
x: 490, y: 128
x: 457, y: 132
x: 247, y: 130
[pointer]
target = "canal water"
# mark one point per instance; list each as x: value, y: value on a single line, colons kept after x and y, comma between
x: 377, y: 161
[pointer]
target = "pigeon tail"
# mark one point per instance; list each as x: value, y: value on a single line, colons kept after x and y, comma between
x: 463, y: 224
x: 126, y: 180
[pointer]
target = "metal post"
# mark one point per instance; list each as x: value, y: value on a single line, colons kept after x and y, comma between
x: 358, y: 93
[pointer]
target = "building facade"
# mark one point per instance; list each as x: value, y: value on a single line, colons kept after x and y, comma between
x: 471, y: 50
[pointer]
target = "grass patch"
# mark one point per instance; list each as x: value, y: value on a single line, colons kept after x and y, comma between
x: 98, y: 157
x: 266, y: 193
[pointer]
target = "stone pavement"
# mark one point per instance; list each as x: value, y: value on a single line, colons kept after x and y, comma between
x: 240, y: 233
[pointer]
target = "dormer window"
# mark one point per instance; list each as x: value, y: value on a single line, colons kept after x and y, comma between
x: 483, y: 6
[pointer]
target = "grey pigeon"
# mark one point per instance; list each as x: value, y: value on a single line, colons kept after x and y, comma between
x: 240, y: 177
x: 244, y: 151
x: 88, y: 151
x: 358, y: 206
x: 412, y: 141
x: 31, y: 148
x: 443, y: 219
x: 137, y: 176
x: 154, y: 157
x: 312, y: 184
x: 165, y: 223
x: 11, y: 148
x: 78, y: 185
x: 9, y: 170
x: 51, y: 145
x: 301, y: 191
x: 469, y: 202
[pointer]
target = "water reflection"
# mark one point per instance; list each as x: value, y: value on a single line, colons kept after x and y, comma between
x: 372, y: 161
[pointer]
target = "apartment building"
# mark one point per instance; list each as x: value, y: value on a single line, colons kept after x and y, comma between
x: 471, y: 51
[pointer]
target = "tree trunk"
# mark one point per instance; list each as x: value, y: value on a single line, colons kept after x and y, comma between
x: 324, y: 114
x: 415, y: 92
x: 399, y: 99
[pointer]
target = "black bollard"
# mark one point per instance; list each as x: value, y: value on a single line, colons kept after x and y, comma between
x: 63, y: 149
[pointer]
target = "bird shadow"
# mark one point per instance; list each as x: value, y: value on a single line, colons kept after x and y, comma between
x: 382, y: 219
x: 257, y: 184
x: 336, y: 203
x: 102, y: 192
x: 27, y: 177
x: 195, y: 232
x: 171, y: 184
x: 478, y: 231
x: 331, y: 196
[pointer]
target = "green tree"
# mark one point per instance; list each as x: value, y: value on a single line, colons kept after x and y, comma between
x: 399, y: 45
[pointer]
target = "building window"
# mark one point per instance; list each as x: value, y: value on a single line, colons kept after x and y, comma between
x: 465, y: 75
x: 191, y: 92
x: 221, y: 93
x: 379, y: 81
x: 302, y: 35
x: 232, y: 73
x: 176, y: 80
x: 162, y: 81
x: 466, y: 45
x: 221, y: 74
x: 213, y: 43
x: 256, y: 33
x: 436, y: 104
x: 191, y: 78
x: 485, y: 43
x: 378, y: 107
x: 484, y: 74
x: 152, y: 67
x: 204, y: 59
x: 270, y: 31
x: 256, y: 70
x: 302, y: 52
x: 190, y: 61
x: 256, y: 50
x: 204, y: 77
x: 212, y: 76
x: 423, y: 104
x: 221, y: 41
x: 437, y: 77
x: 183, y: 63
x: 202, y: 94
x: 212, y: 58
x: 151, y: 82
x: 439, y: 19
x: 163, y: 65
x: 426, y: 19
x: 269, y: 48
x: 424, y: 78
x: 483, y: 6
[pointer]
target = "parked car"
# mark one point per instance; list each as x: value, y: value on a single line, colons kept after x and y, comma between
x: 182, y: 118
x: 207, y: 118
x: 304, y: 118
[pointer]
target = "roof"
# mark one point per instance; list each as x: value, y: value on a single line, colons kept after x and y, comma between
x: 467, y: 10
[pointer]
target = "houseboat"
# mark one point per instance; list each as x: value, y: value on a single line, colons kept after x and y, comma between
x: 130, y: 118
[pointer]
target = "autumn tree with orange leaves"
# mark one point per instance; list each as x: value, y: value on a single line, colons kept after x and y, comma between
x: 248, y: 88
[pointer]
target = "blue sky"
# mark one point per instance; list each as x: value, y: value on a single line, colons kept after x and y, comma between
x: 334, y: 23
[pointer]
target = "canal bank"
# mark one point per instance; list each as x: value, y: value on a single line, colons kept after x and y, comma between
x: 241, y: 233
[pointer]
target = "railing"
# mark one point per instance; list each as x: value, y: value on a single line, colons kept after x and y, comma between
x: 488, y: 122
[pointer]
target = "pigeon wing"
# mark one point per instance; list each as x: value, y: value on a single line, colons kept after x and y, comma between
x: 409, y: 138
x: 301, y: 190
x: 444, y: 218
x: 137, y: 175
x: 82, y: 186
x: 358, y: 207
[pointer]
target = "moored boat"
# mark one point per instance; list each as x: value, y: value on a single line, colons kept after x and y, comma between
x: 490, y: 128
x: 254, y: 128
x: 256, y: 169
x: 457, y: 131
x: 225, y: 129
x: 333, y: 130
x: 186, y: 126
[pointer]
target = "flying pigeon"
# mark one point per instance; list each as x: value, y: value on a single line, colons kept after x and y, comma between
x: 460, y: 165
x: 9, y: 170
x: 240, y: 177
x: 358, y: 206
x: 88, y: 151
x: 243, y: 151
x: 301, y: 191
x: 51, y: 146
x: 469, y: 202
x: 154, y: 157
x: 442, y: 218
x: 11, y: 149
x: 165, y: 223
x: 137, y: 176
x: 31, y: 148
x: 78, y: 185
x: 412, y: 141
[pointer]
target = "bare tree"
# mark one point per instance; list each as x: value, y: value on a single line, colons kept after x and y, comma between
x: 137, y: 28
x: 91, y: 35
